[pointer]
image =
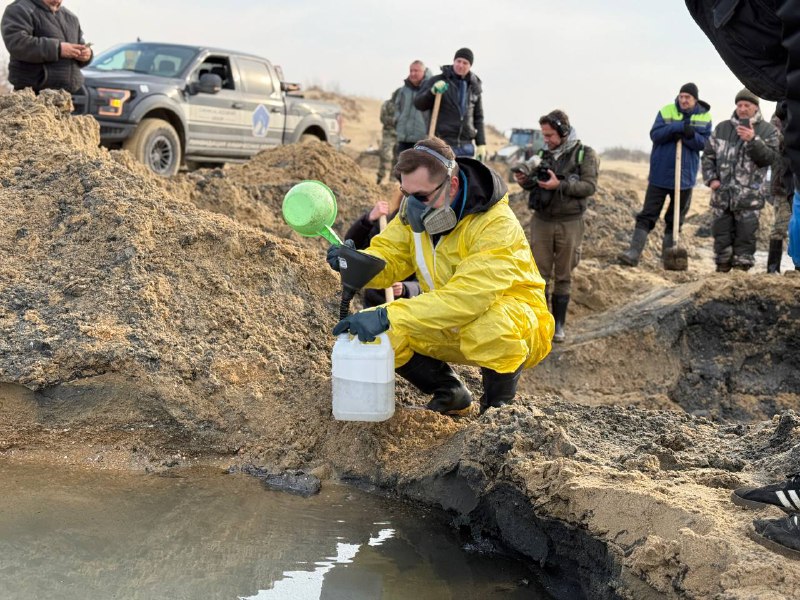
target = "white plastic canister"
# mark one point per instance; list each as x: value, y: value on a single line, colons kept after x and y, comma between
x: 363, y: 379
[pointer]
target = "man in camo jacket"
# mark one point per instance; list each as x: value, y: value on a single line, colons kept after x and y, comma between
x: 387, y: 155
x: 735, y: 162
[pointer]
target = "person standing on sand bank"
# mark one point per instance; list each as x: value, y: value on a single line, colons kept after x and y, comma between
x: 411, y: 123
x: 483, y: 298
x: 460, y: 119
x: 735, y: 162
x: 45, y: 44
x: 560, y: 189
x: 686, y: 119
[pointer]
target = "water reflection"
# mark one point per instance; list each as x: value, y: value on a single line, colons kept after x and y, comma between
x: 207, y: 535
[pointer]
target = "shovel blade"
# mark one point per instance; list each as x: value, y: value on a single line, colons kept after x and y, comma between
x: 676, y: 259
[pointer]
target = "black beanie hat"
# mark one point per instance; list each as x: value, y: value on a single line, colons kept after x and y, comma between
x: 691, y: 89
x: 464, y: 53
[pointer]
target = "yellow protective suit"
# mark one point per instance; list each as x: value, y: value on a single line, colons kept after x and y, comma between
x: 483, y: 300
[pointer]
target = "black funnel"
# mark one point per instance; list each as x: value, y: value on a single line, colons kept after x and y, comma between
x: 356, y: 269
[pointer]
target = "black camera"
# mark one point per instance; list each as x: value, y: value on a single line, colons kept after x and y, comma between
x: 542, y: 170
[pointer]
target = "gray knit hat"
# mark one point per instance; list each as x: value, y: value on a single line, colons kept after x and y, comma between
x: 746, y: 94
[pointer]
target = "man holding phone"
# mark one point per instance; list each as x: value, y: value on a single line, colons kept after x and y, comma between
x: 735, y: 162
x: 45, y: 44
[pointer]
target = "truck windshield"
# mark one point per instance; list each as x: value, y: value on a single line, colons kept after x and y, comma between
x: 162, y: 60
x: 522, y: 138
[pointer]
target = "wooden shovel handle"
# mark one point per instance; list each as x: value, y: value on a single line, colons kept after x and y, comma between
x: 389, y: 292
x: 676, y: 197
x: 434, y: 115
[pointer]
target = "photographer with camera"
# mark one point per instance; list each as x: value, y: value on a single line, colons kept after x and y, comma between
x: 735, y: 162
x: 560, y: 186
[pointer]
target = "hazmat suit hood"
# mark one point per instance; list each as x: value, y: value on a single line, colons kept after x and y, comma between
x: 484, y: 186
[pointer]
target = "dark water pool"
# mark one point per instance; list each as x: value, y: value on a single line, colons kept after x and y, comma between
x: 206, y: 535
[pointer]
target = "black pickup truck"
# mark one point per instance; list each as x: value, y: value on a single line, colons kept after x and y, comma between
x: 173, y: 105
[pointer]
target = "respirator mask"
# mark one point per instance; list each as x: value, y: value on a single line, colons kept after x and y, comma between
x: 420, y: 216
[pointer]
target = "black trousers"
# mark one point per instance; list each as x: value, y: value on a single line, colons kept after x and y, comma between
x: 654, y: 199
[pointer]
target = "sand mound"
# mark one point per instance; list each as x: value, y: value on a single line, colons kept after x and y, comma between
x: 111, y: 283
x: 252, y: 193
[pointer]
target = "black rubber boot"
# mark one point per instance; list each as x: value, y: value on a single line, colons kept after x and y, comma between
x: 433, y: 376
x: 630, y: 258
x: 723, y: 267
x: 774, y: 256
x: 560, y: 303
x: 499, y: 389
x: 667, y: 243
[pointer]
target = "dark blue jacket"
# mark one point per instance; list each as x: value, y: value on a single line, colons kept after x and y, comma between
x: 667, y: 129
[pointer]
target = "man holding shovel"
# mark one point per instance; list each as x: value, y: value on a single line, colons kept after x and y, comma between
x: 483, y: 302
x: 686, y: 120
x: 460, y: 118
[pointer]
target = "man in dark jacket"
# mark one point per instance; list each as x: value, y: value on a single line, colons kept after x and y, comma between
x: 686, y: 119
x: 560, y: 187
x: 45, y: 44
x: 760, y: 42
x: 460, y: 119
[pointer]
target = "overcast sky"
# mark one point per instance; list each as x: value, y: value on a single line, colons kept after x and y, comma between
x: 611, y: 65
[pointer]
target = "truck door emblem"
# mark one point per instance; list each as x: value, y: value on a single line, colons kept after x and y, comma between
x: 260, y: 121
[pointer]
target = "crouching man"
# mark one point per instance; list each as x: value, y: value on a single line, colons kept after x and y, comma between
x: 483, y: 298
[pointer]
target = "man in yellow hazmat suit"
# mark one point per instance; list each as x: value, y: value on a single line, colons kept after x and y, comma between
x: 483, y: 300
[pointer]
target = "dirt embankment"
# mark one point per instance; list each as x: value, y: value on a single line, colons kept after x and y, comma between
x: 149, y: 324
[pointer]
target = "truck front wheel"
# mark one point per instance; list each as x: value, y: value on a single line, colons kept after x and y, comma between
x: 156, y: 144
x: 309, y: 138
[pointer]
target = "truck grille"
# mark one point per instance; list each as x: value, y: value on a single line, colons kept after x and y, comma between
x: 80, y: 102
x: 106, y: 130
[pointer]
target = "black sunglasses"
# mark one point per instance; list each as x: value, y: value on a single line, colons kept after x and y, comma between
x: 424, y: 198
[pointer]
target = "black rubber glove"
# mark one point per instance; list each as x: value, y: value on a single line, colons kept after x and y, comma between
x: 367, y: 324
x: 688, y: 130
x: 333, y: 254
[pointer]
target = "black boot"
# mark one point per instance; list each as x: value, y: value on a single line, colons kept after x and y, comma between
x: 560, y: 303
x: 667, y: 243
x: 433, y: 376
x: 499, y: 389
x: 630, y: 258
x: 774, y: 256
